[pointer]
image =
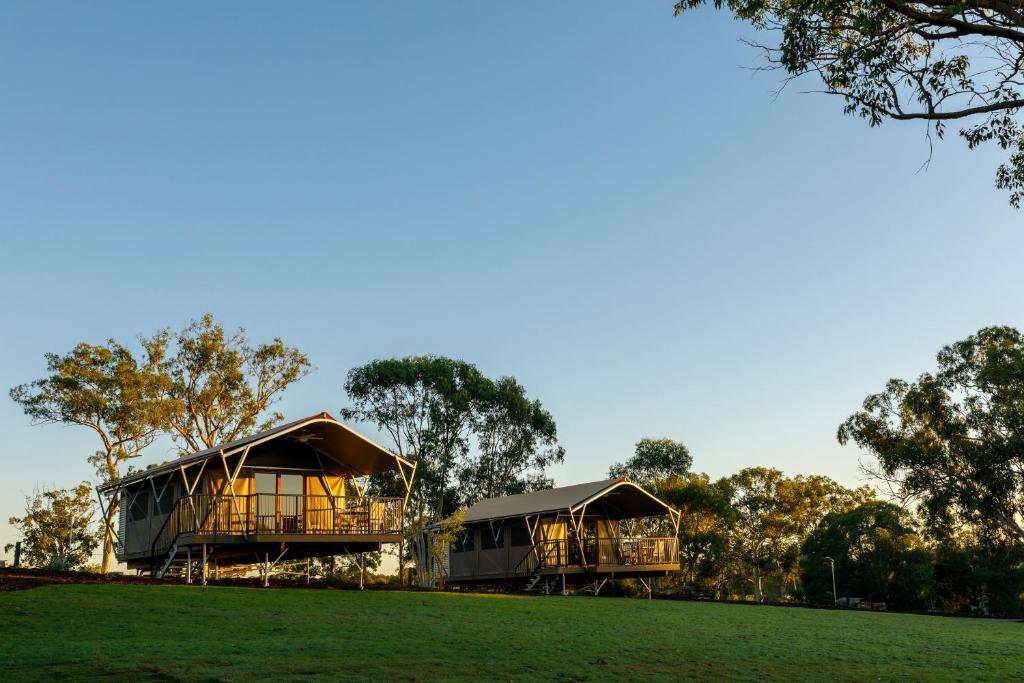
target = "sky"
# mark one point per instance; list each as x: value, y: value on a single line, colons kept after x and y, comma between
x: 597, y: 198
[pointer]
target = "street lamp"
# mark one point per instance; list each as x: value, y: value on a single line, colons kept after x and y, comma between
x: 835, y: 598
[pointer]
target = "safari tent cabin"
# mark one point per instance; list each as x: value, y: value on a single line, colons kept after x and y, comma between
x: 293, y: 492
x: 576, y: 534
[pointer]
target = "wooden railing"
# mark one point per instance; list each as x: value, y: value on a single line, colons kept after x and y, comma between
x: 543, y: 554
x: 267, y: 513
x: 626, y: 551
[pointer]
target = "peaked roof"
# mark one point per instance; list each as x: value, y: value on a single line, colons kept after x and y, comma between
x: 565, y: 498
x: 362, y: 447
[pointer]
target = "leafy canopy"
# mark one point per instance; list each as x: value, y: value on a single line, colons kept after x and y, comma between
x: 907, y: 60
x: 57, y: 528
x: 654, y: 461
x: 458, y: 425
x: 517, y: 440
x: 218, y: 387
x: 954, y: 439
x: 877, y: 555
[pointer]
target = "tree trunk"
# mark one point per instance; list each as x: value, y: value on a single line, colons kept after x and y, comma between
x: 758, y: 597
x: 108, y: 538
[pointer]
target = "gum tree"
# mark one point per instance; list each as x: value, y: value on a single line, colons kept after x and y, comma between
x: 105, y: 389
x: 935, y: 62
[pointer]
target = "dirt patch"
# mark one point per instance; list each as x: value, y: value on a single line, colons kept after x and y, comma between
x: 16, y: 578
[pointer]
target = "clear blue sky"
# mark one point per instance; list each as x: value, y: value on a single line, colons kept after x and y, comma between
x: 594, y: 197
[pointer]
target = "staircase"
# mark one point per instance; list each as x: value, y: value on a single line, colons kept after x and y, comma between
x: 543, y: 554
x: 168, y: 561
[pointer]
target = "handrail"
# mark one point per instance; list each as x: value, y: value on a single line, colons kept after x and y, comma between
x: 623, y: 550
x: 540, y: 556
x: 268, y: 513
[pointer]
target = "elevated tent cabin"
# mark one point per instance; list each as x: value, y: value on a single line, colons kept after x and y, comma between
x: 293, y: 492
x: 573, y: 534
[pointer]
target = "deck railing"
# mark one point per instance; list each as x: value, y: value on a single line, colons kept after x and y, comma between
x: 623, y: 551
x: 271, y: 514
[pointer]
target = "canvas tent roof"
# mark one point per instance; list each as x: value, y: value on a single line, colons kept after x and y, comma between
x: 330, y: 437
x: 620, y: 494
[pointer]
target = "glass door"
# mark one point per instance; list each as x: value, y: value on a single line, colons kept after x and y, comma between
x: 266, y: 501
x: 290, y: 498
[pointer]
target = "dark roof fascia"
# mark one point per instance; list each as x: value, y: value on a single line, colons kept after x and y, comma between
x: 232, y: 447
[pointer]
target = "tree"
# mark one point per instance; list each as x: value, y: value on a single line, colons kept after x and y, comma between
x: 773, y: 514
x: 57, y: 528
x: 106, y: 389
x: 979, y: 574
x: 517, y: 439
x: 953, y: 441
x: 440, y: 540
x: 653, y: 461
x: 426, y: 405
x: 877, y: 555
x: 933, y: 61
x: 707, y: 517
x: 219, y: 387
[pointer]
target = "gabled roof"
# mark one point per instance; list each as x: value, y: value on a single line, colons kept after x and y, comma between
x: 322, y: 427
x: 568, y: 498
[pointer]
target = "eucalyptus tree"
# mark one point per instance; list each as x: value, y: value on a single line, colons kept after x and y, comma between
x: 929, y: 61
x: 107, y: 390
x: 877, y: 553
x: 772, y: 515
x: 426, y: 405
x: 219, y: 386
x: 706, y: 522
x: 516, y: 441
x: 952, y: 441
x: 654, y: 461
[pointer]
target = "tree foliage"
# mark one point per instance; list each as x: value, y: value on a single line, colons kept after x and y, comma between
x: 57, y: 528
x: 774, y: 513
x: 907, y: 60
x: 471, y: 437
x: 426, y: 405
x: 217, y: 386
x: 953, y: 441
x: 877, y: 553
x: 106, y: 389
x: 440, y: 540
x: 516, y: 442
x: 654, y: 461
x: 706, y: 524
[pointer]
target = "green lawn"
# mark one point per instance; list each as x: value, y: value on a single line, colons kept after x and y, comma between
x: 186, y: 632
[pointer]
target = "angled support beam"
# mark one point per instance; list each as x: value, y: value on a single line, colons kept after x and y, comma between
x: 231, y: 476
x: 115, y: 495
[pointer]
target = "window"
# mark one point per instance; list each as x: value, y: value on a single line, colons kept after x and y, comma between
x: 521, y: 536
x: 487, y: 541
x: 168, y: 497
x: 266, y: 483
x: 139, y: 508
x: 465, y: 544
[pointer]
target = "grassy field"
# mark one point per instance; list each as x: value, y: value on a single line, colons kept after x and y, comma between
x: 192, y: 633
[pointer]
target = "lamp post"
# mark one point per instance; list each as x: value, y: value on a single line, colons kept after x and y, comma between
x: 835, y: 598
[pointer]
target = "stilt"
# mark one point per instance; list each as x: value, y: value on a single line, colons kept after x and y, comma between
x: 266, y: 570
x: 563, y: 585
x: 307, y: 571
x: 188, y: 565
x: 361, y: 565
x: 204, y: 565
